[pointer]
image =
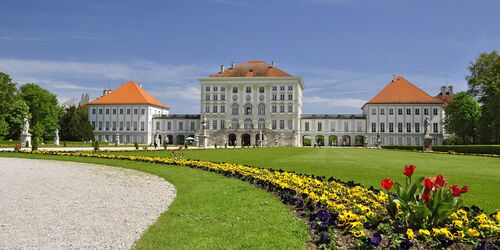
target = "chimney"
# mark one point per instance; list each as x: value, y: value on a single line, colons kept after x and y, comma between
x: 106, y: 92
x: 443, y: 90
x: 274, y: 64
x: 450, y: 90
x: 140, y: 85
x: 222, y: 68
x: 232, y: 65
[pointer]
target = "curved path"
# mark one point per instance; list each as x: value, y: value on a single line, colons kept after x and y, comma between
x: 61, y: 205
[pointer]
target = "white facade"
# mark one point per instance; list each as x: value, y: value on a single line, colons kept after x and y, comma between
x: 132, y: 123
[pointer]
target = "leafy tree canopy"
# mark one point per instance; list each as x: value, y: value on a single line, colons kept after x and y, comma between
x: 462, y: 116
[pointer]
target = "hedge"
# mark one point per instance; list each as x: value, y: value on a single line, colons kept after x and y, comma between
x: 466, y: 149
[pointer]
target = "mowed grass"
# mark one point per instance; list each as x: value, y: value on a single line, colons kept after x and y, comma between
x: 367, y: 166
x: 211, y: 211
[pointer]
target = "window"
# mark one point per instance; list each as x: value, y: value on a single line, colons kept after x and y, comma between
x: 382, y: 127
x: 275, y: 88
x: 215, y: 88
x: 290, y: 109
x: 248, y: 109
x: 142, y: 126
x: 114, y: 111
x: 374, y: 127
x: 222, y: 97
x: 282, y: 124
x: 93, y: 125
x: 135, y: 126
x: 417, y: 127
x: 400, y: 111
x: 107, y: 125
x: 374, y: 111
x: 408, y: 111
x: 214, y: 124
x: 382, y: 111
x: 248, y: 124
x: 248, y: 89
x: 400, y: 127
x: 207, y: 97
x: 391, y: 111
x: 408, y: 127
x: 282, y: 97
x: 222, y: 109
x: 274, y: 97
x: 273, y: 124
x: 181, y: 125
x: 391, y: 127
x: 215, y: 97
x: 128, y: 125
x: 207, y: 109
x: 128, y: 111
x: 214, y: 108
x: 222, y: 124
x: 235, y: 89
x: 222, y: 88
x: 282, y: 88
x: 207, y: 88
x: 435, y: 127
x: 417, y: 111
x: 290, y: 124
x: 107, y: 111
x: 274, y: 109
x: 235, y: 124
x: 261, y: 89
x: 320, y: 126
x: 282, y: 108
x: 121, y: 111
x: 426, y: 111
x: 262, y: 124
x: 121, y: 125
x: 114, y: 126
x: 93, y: 111
x: 290, y: 96
x: 346, y: 126
x: 435, y: 111
x: 136, y: 111
x: 262, y: 109
x: 290, y: 88
x: 100, y: 125
x: 306, y: 126
x: 169, y: 125
x: 235, y: 109
x: 192, y: 126
x: 100, y: 111
x: 143, y: 111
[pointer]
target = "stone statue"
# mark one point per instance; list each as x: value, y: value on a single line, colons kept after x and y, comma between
x: 157, y: 140
x: 204, y: 122
x: 427, y: 126
x: 379, y: 140
x: 26, y: 126
x: 56, y: 137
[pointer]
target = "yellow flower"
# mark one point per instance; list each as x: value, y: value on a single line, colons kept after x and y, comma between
x: 410, y: 234
x: 358, y: 233
x: 484, y: 227
x: 424, y: 232
x: 482, y: 218
x: 496, y: 216
x: 458, y: 223
x: 472, y: 232
x: 459, y: 235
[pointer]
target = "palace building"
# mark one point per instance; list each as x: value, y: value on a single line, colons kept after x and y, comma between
x: 258, y: 104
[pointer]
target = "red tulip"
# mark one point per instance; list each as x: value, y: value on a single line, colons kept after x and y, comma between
x: 428, y: 184
x: 409, y: 170
x: 440, y: 181
x: 426, y: 196
x: 386, y: 183
x: 464, y: 189
x: 455, y: 190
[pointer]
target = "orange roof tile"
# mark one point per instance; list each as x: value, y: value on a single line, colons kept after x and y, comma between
x: 400, y: 90
x: 129, y: 93
x: 251, y: 69
x: 445, y: 98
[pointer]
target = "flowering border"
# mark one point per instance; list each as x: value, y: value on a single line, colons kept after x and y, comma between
x: 340, y: 213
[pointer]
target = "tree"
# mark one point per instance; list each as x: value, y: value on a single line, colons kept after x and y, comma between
x: 484, y: 83
x: 44, y: 109
x: 8, y: 93
x: 462, y: 116
x: 75, y: 125
x: 15, y: 115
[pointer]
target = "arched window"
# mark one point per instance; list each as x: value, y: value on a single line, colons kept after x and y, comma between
x: 262, y: 109
x: 235, y: 109
x: 248, y: 109
x: 262, y: 123
x: 248, y: 123
x: 234, y: 124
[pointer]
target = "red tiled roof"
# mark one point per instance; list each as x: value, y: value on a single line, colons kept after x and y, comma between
x: 129, y: 93
x: 445, y: 98
x: 400, y: 90
x: 251, y: 69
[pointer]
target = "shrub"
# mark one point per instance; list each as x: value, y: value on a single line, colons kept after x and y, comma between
x: 185, y: 145
x: 469, y: 149
x: 136, y: 145
x: 96, y: 145
x: 403, y: 147
x: 454, y: 140
x: 215, y: 145
x: 35, y: 144
x: 164, y: 145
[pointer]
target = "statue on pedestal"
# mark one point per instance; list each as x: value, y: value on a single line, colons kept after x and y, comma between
x: 56, y: 138
x: 427, y: 137
x: 25, y: 135
x: 202, y: 139
x: 379, y: 140
x: 117, y: 138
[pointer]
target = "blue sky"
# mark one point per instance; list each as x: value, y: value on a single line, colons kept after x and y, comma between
x: 346, y: 50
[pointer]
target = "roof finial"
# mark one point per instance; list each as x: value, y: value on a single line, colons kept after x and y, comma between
x: 232, y: 65
x: 222, y: 68
x: 273, y: 63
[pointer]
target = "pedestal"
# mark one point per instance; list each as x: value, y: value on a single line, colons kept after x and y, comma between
x: 428, y: 143
x: 25, y: 137
x: 202, y: 141
x: 56, y: 141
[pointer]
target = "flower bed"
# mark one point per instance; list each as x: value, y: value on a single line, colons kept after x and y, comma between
x: 344, y: 214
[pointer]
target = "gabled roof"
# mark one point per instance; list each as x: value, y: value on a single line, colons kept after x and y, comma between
x: 252, y: 69
x: 129, y: 93
x: 400, y: 90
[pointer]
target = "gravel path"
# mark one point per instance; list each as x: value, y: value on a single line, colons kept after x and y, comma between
x: 67, y: 205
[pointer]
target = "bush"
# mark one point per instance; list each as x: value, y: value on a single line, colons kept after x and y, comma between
x: 65, y: 144
x: 136, y: 145
x: 35, y: 144
x: 96, y: 145
x: 215, y: 145
x: 403, y: 147
x: 454, y: 140
x: 185, y: 146
x: 465, y: 149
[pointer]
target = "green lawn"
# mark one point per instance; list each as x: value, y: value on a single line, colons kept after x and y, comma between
x: 368, y: 166
x: 211, y: 211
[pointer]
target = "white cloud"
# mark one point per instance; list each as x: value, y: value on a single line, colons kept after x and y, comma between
x: 335, y: 102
